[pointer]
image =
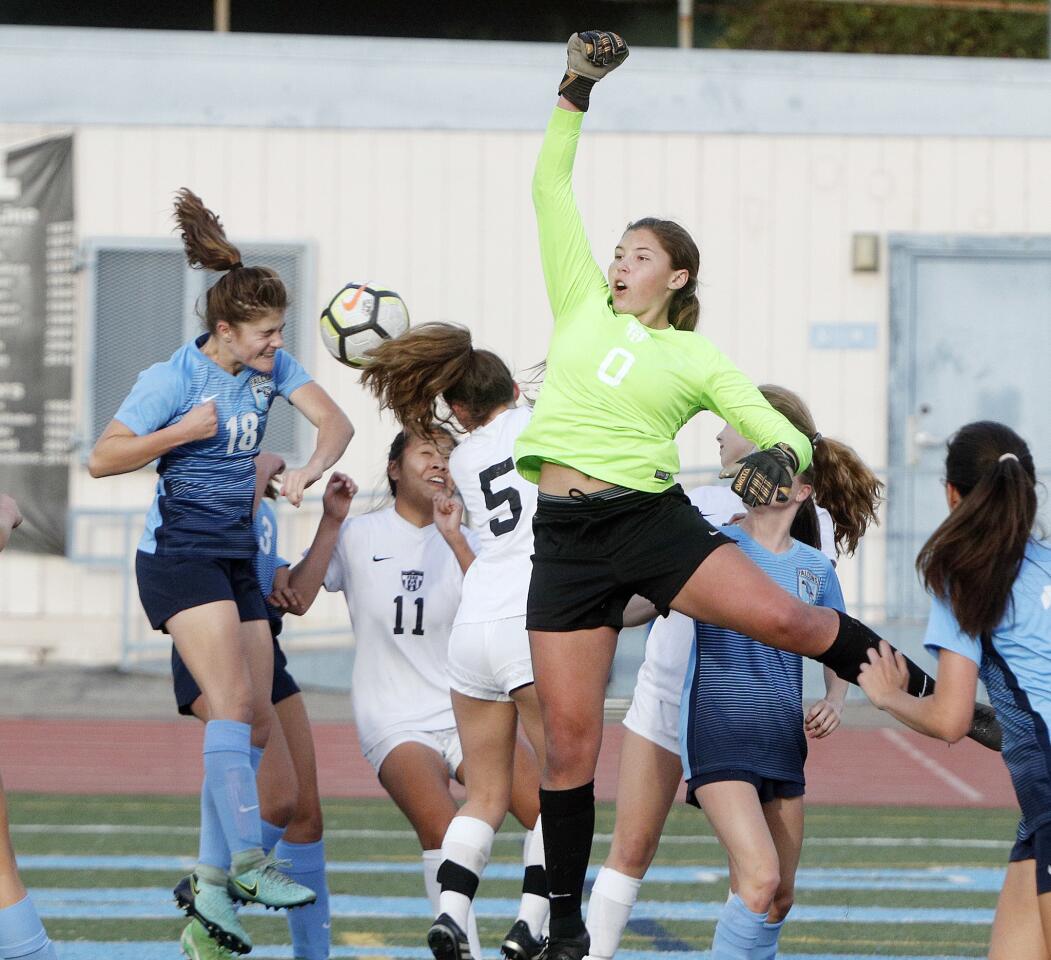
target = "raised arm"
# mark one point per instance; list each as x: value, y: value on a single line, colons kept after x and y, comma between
x: 570, y: 271
x: 945, y: 715
x: 307, y: 576
x: 334, y: 432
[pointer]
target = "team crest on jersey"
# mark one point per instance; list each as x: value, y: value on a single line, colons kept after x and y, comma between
x: 634, y: 331
x: 807, y: 586
x: 262, y: 389
x: 412, y: 580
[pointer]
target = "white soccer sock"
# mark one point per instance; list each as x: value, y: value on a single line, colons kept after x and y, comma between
x: 535, y: 905
x: 612, y: 897
x: 472, y: 934
x: 432, y: 860
x: 466, y: 847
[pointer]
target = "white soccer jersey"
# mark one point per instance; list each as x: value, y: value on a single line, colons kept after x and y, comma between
x: 671, y: 638
x: 402, y: 586
x: 500, y: 506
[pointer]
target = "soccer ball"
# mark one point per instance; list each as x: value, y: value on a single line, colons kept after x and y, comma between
x: 360, y: 317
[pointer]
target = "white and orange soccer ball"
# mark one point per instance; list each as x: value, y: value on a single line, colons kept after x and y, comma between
x: 358, y: 318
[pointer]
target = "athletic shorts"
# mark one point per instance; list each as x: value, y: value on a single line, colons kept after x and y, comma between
x: 592, y: 554
x: 169, y: 585
x: 652, y: 718
x: 443, y: 742
x: 767, y: 788
x: 489, y: 660
x: 186, y: 689
x: 1036, y: 845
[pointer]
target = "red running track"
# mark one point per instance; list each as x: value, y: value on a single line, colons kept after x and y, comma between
x: 891, y: 766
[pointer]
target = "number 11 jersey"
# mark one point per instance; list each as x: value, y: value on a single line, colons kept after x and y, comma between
x: 402, y: 587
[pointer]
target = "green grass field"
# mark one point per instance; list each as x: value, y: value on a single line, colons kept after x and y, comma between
x: 892, y: 843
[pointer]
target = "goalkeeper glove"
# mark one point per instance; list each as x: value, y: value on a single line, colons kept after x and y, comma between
x: 766, y: 475
x: 590, y: 55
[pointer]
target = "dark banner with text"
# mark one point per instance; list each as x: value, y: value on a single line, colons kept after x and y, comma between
x: 36, y: 337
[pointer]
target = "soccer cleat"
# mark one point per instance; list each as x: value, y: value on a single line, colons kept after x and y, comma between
x: 569, y: 948
x: 520, y: 944
x: 266, y: 884
x: 985, y: 728
x: 197, y: 945
x: 447, y: 940
x: 210, y: 904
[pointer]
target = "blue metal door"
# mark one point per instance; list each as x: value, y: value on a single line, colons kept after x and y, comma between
x: 970, y: 326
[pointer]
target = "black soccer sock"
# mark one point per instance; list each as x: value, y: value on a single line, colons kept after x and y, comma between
x: 850, y: 649
x: 569, y: 825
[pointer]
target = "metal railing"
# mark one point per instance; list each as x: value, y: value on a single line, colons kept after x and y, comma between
x: 106, y: 539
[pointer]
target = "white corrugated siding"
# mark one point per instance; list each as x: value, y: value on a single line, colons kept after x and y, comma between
x: 445, y: 218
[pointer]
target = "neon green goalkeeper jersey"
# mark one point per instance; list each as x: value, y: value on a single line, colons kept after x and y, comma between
x: 616, y: 392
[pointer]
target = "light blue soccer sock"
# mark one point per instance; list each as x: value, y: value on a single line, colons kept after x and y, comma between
x: 212, y: 847
x: 766, y: 945
x: 309, y: 925
x: 22, y: 935
x: 255, y: 757
x: 230, y: 783
x: 737, y: 932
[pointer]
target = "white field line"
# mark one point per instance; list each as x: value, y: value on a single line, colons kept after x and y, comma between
x: 107, y: 829
x: 929, y: 763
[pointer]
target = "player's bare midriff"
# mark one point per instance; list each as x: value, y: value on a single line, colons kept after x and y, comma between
x: 557, y: 479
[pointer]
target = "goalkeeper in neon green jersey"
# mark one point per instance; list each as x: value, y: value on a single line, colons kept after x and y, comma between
x: 624, y: 373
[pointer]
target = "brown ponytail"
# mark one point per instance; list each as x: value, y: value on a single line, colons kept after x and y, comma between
x: 842, y: 482
x: 972, y: 560
x: 685, y: 309
x: 437, y: 361
x: 242, y: 293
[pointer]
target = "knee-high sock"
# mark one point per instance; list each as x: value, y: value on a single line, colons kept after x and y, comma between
x: 534, y: 906
x: 737, y: 931
x: 850, y: 650
x: 22, y: 935
x: 230, y: 783
x: 465, y: 852
x: 612, y: 897
x: 569, y: 826
x: 309, y: 925
x: 766, y: 945
x: 432, y: 860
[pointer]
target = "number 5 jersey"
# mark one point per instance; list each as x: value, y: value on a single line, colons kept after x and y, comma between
x: 500, y: 505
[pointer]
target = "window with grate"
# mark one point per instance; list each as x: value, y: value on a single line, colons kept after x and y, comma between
x: 143, y: 302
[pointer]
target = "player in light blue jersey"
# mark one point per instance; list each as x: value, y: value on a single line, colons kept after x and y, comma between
x: 989, y: 577
x: 21, y: 932
x: 202, y: 415
x: 742, y: 732
x: 286, y: 772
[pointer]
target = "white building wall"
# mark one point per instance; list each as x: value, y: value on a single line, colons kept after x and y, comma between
x: 444, y: 216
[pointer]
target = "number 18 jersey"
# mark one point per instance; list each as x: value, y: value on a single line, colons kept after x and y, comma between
x: 205, y: 489
x: 500, y: 504
x: 402, y: 587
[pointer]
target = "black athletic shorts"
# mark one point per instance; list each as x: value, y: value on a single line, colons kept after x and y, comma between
x: 169, y: 585
x: 592, y: 555
x: 186, y: 689
x: 767, y: 788
x: 1036, y: 846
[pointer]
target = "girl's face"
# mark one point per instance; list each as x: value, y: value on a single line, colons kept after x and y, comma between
x: 641, y: 278
x: 254, y: 343
x: 423, y: 470
x: 732, y: 447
